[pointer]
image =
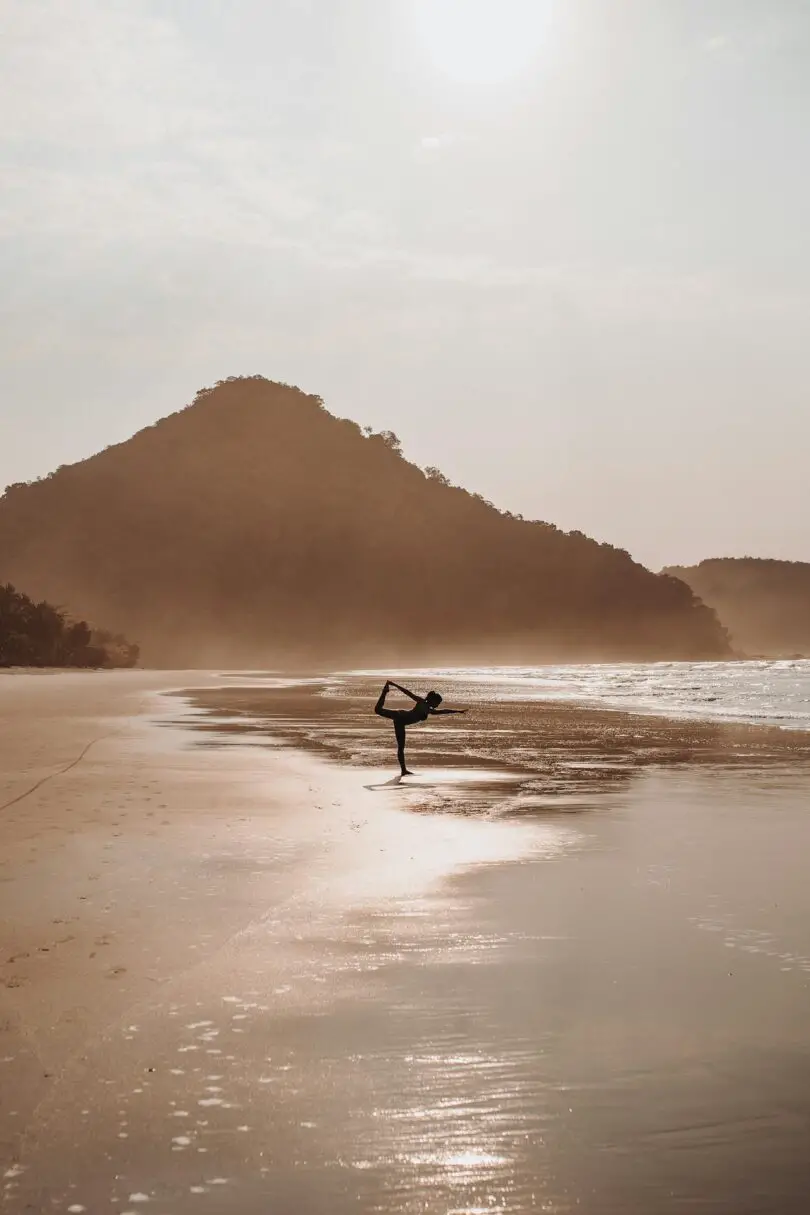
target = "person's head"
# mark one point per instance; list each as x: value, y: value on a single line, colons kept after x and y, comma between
x: 433, y: 700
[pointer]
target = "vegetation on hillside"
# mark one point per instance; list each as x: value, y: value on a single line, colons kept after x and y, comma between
x: 765, y: 603
x: 40, y: 635
x: 253, y: 526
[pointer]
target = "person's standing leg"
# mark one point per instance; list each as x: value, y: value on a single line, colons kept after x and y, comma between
x: 399, y: 730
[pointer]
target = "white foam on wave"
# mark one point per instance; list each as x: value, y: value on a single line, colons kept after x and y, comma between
x: 765, y: 692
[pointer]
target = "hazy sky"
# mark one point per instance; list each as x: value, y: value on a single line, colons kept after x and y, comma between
x: 561, y: 247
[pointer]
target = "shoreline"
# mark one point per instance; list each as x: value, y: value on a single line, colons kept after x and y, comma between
x: 318, y: 676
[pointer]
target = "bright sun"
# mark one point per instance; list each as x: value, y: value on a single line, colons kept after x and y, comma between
x: 481, y: 41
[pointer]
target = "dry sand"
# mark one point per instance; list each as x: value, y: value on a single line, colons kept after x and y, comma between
x: 122, y: 866
x: 100, y: 835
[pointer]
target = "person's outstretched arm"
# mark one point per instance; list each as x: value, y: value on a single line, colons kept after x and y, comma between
x: 405, y: 692
x: 445, y: 712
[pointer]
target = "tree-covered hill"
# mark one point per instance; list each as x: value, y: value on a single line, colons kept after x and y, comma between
x: 255, y: 527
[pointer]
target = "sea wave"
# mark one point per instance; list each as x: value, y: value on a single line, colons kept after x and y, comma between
x: 765, y: 692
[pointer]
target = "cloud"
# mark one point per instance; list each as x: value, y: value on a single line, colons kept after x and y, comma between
x: 438, y: 141
x: 78, y: 76
x: 133, y: 134
x: 120, y: 130
x: 124, y: 139
x: 761, y: 31
x: 433, y: 145
x: 723, y: 46
x: 128, y: 135
x: 717, y: 42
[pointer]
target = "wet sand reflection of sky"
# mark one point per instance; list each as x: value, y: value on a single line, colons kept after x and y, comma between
x: 571, y: 976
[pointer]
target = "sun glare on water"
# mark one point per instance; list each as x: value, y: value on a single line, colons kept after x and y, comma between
x: 481, y: 41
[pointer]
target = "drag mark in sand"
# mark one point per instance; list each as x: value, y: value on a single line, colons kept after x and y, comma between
x: 74, y: 763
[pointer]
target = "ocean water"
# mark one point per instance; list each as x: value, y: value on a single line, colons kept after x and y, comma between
x: 757, y: 692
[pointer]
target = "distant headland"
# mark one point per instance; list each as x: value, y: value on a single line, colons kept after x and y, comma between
x: 764, y: 603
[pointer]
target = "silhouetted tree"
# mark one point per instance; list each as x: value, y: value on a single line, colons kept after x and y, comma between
x: 40, y: 635
x: 391, y: 440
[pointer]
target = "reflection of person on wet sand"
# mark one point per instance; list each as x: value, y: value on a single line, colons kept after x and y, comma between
x: 424, y: 707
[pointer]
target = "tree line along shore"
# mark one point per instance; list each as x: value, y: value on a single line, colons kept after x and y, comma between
x: 41, y: 635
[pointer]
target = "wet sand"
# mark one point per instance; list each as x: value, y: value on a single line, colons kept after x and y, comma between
x: 241, y: 971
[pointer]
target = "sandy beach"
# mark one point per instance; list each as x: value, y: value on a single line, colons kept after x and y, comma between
x: 242, y: 971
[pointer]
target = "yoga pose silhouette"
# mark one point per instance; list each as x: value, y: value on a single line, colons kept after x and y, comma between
x: 424, y: 707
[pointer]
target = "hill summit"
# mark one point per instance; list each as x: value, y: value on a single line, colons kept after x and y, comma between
x: 253, y: 527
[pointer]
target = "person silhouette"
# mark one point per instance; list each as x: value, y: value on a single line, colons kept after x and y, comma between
x: 424, y: 707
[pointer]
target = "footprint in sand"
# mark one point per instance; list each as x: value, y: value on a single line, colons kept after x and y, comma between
x: 116, y: 972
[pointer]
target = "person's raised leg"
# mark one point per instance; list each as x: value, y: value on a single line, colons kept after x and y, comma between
x: 380, y: 708
x: 399, y: 730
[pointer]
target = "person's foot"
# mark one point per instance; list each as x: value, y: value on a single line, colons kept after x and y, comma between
x: 407, y: 772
